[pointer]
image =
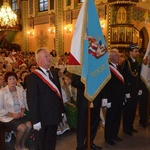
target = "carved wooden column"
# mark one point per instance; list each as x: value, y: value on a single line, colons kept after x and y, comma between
x: 24, y: 7
x: 59, y: 27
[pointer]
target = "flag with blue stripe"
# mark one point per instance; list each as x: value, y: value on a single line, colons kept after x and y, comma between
x: 95, y: 68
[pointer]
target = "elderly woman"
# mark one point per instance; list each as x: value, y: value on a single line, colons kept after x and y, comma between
x: 12, y: 107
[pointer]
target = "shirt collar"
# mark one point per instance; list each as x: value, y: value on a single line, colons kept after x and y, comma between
x: 133, y: 59
x: 44, y: 70
x: 114, y: 64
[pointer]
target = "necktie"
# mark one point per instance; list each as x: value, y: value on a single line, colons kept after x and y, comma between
x: 118, y: 67
x: 50, y: 76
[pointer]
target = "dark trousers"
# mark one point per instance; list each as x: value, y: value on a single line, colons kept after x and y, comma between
x: 112, y: 121
x: 45, y: 139
x: 129, y: 112
x: 143, y: 107
x: 82, y: 121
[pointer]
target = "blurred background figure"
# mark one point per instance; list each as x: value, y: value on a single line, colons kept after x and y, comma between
x: 69, y: 95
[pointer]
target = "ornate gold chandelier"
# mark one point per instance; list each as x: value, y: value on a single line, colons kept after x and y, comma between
x: 7, y: 16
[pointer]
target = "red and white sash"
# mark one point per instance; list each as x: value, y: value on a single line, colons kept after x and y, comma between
x: 46, y: 80
x: 117, y: 73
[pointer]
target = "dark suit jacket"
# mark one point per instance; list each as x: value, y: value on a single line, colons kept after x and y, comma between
x: 82, y: 101
x: 44, y: 105
x: 114, y: 90
x: 131, y: 81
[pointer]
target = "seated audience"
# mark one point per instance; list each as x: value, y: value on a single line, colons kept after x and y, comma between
x: 1, y: 81
x: 23, y: 75
x: 12, y: 107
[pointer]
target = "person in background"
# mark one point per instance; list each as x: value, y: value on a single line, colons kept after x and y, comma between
x: 2, y: 56
x: 2, y: 70
x: 15, y: 66
x: 23, y: 75
x: 44, y: 101
x: 131, y: 74
x: 69, y: 95
x: 9, y: 68
x: 12, y: 107
x: 32, y: 67
x: 54, y: 59
x: 10, y: 58
x: 1, y: 80
x: 23, y: 67
x: 115, y: 96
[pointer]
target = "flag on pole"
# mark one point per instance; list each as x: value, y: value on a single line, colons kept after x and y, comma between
x: 145, y: 70
x: 146, y: 17
x: 89, y: 52
x: 75, y: 58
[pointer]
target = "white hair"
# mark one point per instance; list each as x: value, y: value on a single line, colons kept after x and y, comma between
x: 112, y: 54
x: 38, y: 51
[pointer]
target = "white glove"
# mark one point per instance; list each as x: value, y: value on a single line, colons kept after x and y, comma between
x: 128, y: 95
x: 104, y: 102
x: 37, y: 126
x: 140, y: 92
x: 108, y: 105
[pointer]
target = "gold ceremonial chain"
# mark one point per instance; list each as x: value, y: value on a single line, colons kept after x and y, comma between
x: 133, y: 73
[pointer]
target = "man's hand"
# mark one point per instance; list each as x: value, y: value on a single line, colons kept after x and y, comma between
x: 140, y: 92
x: 37, y: 126
x: 128, y: 95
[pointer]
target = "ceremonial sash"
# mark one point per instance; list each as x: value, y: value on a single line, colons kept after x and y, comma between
x: 46, y: 80
x: 117, y: 73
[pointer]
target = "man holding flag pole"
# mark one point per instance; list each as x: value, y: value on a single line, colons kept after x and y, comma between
x: 89, y: 61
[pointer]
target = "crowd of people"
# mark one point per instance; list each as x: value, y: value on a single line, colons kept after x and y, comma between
x: 35, y: 96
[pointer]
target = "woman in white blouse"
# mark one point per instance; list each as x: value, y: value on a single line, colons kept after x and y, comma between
x: 12, y: 107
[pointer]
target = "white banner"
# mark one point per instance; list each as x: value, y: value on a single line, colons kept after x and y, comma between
x: 145, y: 71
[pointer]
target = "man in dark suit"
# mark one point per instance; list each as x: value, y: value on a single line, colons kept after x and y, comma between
x: 44, y: 101
x: 115, y: 96
x: 82, y: 116
x: 130, y: 70
x: 143, y: 105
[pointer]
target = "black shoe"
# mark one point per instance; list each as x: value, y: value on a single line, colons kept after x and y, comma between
x: 128, y: 133
x: 134, y: 131
x: 110, y: 142
x: 81, y: 148
x: 117, y: 139
x: 95, y: 147
x: 143, y: 125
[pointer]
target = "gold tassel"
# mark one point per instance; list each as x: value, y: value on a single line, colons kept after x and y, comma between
x: 91, y: 105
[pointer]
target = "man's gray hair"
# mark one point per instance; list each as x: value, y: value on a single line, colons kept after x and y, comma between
x: 38, y: 51
x: 112, y: 52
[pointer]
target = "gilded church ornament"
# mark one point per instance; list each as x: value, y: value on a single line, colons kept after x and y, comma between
x: 42, y: 39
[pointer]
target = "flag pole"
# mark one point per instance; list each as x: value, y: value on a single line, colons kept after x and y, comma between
x: 88, y: 127
x: 148, y: 109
